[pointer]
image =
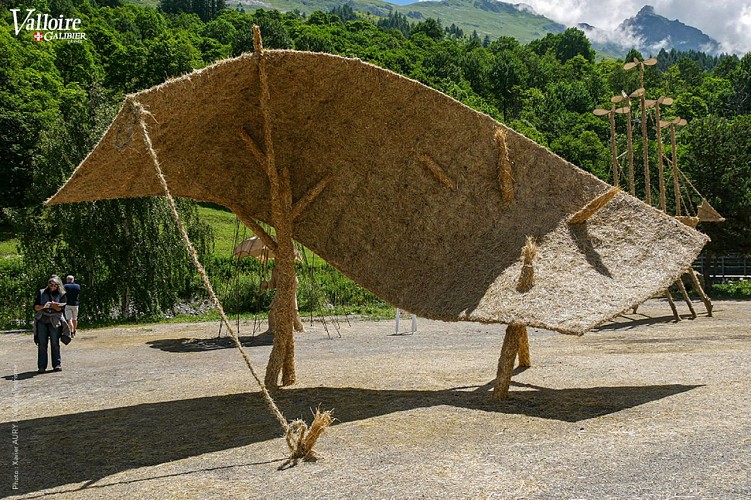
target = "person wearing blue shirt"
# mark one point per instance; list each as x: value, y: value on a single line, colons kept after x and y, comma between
x: 72, y: 290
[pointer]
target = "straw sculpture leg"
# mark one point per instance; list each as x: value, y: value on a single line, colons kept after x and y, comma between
x: 669, y: 296
x: 272, y: 325
x: 525, y: 284
x: 524, y: 359
x: 686, y: 298
x: 282, y: 357
x: 700, y: 290
x: 510, y: 348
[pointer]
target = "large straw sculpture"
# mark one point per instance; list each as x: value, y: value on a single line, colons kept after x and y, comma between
x: 374, y: 171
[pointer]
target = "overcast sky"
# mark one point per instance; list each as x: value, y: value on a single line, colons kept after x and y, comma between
x: 727, y: 21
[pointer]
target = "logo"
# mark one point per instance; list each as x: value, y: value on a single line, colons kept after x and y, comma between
x: 47, y: 27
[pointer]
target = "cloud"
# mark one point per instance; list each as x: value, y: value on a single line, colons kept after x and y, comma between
x: 727, y: 21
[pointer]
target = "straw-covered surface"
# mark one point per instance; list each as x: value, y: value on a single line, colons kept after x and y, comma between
x: 433, y: 237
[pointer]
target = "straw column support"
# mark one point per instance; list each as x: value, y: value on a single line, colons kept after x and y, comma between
x: 525, y: 284
x: 300, y: 440
x: 282, y: 358
x: 516, y: 340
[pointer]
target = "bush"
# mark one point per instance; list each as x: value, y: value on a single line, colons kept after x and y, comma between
x: 18, y: 298
x: 740, y: 289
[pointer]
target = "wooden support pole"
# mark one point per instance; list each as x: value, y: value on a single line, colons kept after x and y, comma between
x: 660, y: 167
x: 506, y: 361
x: 700, y: 291
x: 630, y: 143
x: 614, y: 148
x: 645, y: 147
x: 669, y: 296
x: 676, y: 184
x: 686, y: 298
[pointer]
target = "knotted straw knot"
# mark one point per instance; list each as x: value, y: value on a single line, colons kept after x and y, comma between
x: 295, y: 437
x: 300, y: 438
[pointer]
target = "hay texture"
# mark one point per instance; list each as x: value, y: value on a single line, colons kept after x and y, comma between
x: 440, y: 242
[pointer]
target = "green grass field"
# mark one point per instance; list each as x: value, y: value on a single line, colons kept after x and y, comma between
x: 224, y: 225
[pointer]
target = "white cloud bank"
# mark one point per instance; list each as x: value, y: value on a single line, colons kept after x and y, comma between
x: 727, y: 21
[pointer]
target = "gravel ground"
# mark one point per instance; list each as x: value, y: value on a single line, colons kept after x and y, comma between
x: 640, y: 408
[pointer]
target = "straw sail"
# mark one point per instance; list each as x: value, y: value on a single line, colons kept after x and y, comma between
x: 361, y: 132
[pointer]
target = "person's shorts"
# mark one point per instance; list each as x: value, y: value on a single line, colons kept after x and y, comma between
x: 71, y: 312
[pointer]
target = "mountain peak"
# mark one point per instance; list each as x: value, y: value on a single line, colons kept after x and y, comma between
x: 655, y: 32
x: 647, y: 10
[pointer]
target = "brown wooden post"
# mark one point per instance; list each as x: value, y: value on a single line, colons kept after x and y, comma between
x: 660, y: 168
x: 614, y: 148
x: 676, y: 185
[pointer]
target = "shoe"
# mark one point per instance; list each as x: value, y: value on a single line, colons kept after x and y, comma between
x: 41, y: 371
x: 57, y: 369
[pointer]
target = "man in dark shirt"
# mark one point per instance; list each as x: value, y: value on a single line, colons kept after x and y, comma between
x: 72, y: 290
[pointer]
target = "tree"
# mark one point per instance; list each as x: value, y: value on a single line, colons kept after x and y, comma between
x: 128, y: 253
x: 206, y: 9
x: 718, y: 160
x: 395, y: 20
x: 430, y: 28
x: 30, y: 86
x: 741, y: 78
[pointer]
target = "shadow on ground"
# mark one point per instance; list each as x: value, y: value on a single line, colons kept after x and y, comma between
x: 89, y: 446
x: 200, y: 345
x: 631, y: 322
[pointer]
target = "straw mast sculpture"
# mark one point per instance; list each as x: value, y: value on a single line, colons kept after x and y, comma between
x: 704, y: 212
x: 376, y: 172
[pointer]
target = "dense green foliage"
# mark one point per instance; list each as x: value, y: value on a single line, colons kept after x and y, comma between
x: 56, y: 98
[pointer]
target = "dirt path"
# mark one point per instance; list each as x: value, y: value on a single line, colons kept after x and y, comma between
x: 640, y: 408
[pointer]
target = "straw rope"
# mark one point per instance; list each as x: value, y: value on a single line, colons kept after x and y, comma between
x: 437, y: 172
x: 505, y: 177
x: 300, y: 205
x: 299, y: 439
x: 593, y: 206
